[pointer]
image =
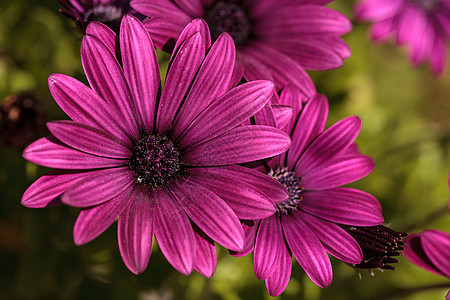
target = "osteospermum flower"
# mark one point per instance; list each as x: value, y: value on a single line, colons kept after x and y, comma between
x: 422, y: 25
x: 163, y: 163
x: 275, y: 40
x: 430, y: 249
x: 307, y: 223
x: 109, y: 12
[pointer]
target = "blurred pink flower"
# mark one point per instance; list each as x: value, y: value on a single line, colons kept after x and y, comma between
x: 422, y: 25
x: 275, y: 39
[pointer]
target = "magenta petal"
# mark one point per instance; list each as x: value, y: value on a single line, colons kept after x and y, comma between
x: 196, y: 25
x: 228, y: 111
x: 414, y: 252
x: 173, y: 232
x: 250, y: 231
x: 309, y: 125
x: 343, y: 205
x: 245, y: 200
x: 436, y: 245
x: 206, y: 260
x: 281, y: 274
x: 328, y: 144
x: 46, y: 191
x: 135, y: 230
x: 89, y: 139
x: 99, y: 187
x: 104, y: 33
x: 211, y: 82
x: 141, y: 69
x: 162, y: 30
x: 336, y: 240
x: 92, y: 222
x: 106, y: 77
x: 210, y: 213
x: 183, y: 70
x: 283, y: 68
x: 49, y: 152
x: 83, y: 105
x: 268, y: 246
x: 283, y: 115
x: 240, y: 145
x: 337, y: 172
x: 307, y: 249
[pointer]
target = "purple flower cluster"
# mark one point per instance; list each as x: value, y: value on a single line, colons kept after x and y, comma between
x: 233, y: 149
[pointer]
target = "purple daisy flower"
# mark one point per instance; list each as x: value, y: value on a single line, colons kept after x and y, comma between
x: 275, y: 40
x: 422, y: 25
x: 307, y: 224
x: 163, y: 163
x: 430, y: 249
x: 109, y: 12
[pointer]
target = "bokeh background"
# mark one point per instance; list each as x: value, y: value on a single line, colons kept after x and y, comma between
x: 406, y: 130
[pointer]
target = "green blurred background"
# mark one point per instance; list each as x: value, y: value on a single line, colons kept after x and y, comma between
x: 406, y: 129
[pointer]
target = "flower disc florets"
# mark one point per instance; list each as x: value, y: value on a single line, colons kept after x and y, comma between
x: 228, y: 17
x: 294, y: 189
x: 154, y: 160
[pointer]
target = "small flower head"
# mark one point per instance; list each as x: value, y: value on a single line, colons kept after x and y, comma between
x: 379, y: 244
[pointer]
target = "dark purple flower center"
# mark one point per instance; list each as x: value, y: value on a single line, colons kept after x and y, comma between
x: 427, y: 5
x: 379, y: 244
x: 154, y: 160
x: 229, y: 17
x: 294, y: 189
x: 109, y: 15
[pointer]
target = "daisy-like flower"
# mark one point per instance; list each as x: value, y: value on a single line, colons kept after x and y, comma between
x: 307, y: 223
x: 163, y: 163
x: 109, y: 12
x: 430, y: 249
x: 275, y: 40
x: 422, y: 25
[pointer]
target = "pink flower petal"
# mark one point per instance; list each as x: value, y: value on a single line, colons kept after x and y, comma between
x: 135, y: 230
x: 227, y: 112
x: 89, y: 139
x: 307, y: 249
x: 344, y: 206
x: 281, y: 274
x: 173, y: 232
x: 183, y: 69
x: 206, y: 260
x: 141, y: 69
x: 210, y: 213
x: 336, y: 240
x: 49, y: 152
x: 240, y: 145
x: 99, y: 187
x: 92, y: 222
x: 268, y: 246
x: 107, y: 79
x: 247, y: 201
